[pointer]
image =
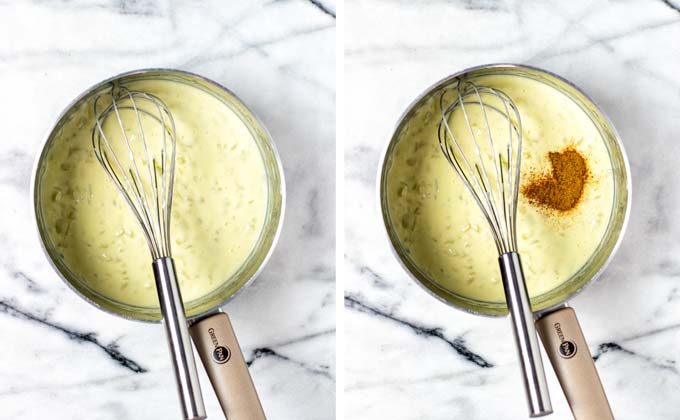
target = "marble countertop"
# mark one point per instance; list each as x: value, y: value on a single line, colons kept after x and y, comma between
x: 62, y: 359
x: 411, y: 357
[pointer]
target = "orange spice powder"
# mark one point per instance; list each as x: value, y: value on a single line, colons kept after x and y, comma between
x: 562, y: 189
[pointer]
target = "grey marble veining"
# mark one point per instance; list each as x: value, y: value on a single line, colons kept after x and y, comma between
x: 412, y: 357
x: 62, y: 359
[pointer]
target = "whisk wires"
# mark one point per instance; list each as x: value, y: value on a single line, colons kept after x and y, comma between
x: 139, y: 160
x: 476, y: 153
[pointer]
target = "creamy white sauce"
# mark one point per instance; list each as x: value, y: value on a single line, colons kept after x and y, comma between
x: 443, y: 230
x: 219, y: 204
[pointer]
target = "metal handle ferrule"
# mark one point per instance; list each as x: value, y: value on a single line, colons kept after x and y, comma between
x: 177, y: 332
x: 526, y: 339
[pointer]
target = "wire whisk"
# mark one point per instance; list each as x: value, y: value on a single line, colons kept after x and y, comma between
x: 134, y: 140
x: 480, y: 134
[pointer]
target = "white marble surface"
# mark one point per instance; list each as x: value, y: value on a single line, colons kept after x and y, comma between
x: 62, y: 359
x: 405, y: 356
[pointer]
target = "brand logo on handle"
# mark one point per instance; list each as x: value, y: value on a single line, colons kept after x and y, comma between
x: 221, y: 354
x: 567, y: 348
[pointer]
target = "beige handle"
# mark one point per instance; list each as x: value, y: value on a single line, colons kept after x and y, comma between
x: 223, y: 360
x: 569, y: 354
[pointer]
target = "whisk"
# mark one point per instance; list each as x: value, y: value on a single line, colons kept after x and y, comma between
x: 480, y: 134
x: 134, y: 141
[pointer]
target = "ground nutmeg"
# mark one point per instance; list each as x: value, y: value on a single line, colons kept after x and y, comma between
x: 560, y: 190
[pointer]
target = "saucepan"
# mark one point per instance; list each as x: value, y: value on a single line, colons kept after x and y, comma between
x: 210, y: 328
x: 556, y: 322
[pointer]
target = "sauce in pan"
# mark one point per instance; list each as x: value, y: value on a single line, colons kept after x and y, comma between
x: 441, y: 227
x: 219, y: 201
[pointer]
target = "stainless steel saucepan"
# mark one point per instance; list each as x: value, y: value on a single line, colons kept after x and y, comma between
x: 210, y: 328
x: 555, y: 321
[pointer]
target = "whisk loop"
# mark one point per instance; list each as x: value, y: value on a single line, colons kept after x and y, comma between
x: 144, y: 177
x: 493, y: 185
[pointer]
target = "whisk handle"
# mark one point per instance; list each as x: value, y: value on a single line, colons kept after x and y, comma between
x: 526, y: 338
x: 177, y: 333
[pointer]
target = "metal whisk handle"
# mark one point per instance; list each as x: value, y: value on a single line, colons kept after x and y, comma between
x: 522, y: 317
x: 179, y: 341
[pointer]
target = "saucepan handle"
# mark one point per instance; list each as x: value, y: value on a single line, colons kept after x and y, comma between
x: 219, y: 350
x: 569, y: 354
x: 526, y: 339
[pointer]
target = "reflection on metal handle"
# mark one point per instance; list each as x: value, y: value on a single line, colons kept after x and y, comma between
x: 525, y: 335
x: 177, y: 333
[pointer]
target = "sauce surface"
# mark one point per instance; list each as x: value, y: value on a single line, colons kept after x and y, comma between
x: 441, y: 227
x: 218, y: 211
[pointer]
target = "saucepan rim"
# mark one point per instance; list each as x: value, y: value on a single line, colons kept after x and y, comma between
x: 478, y: 307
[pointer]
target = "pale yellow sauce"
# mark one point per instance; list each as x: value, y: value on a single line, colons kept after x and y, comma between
x: 442, y: 228
x: 218, y: 212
